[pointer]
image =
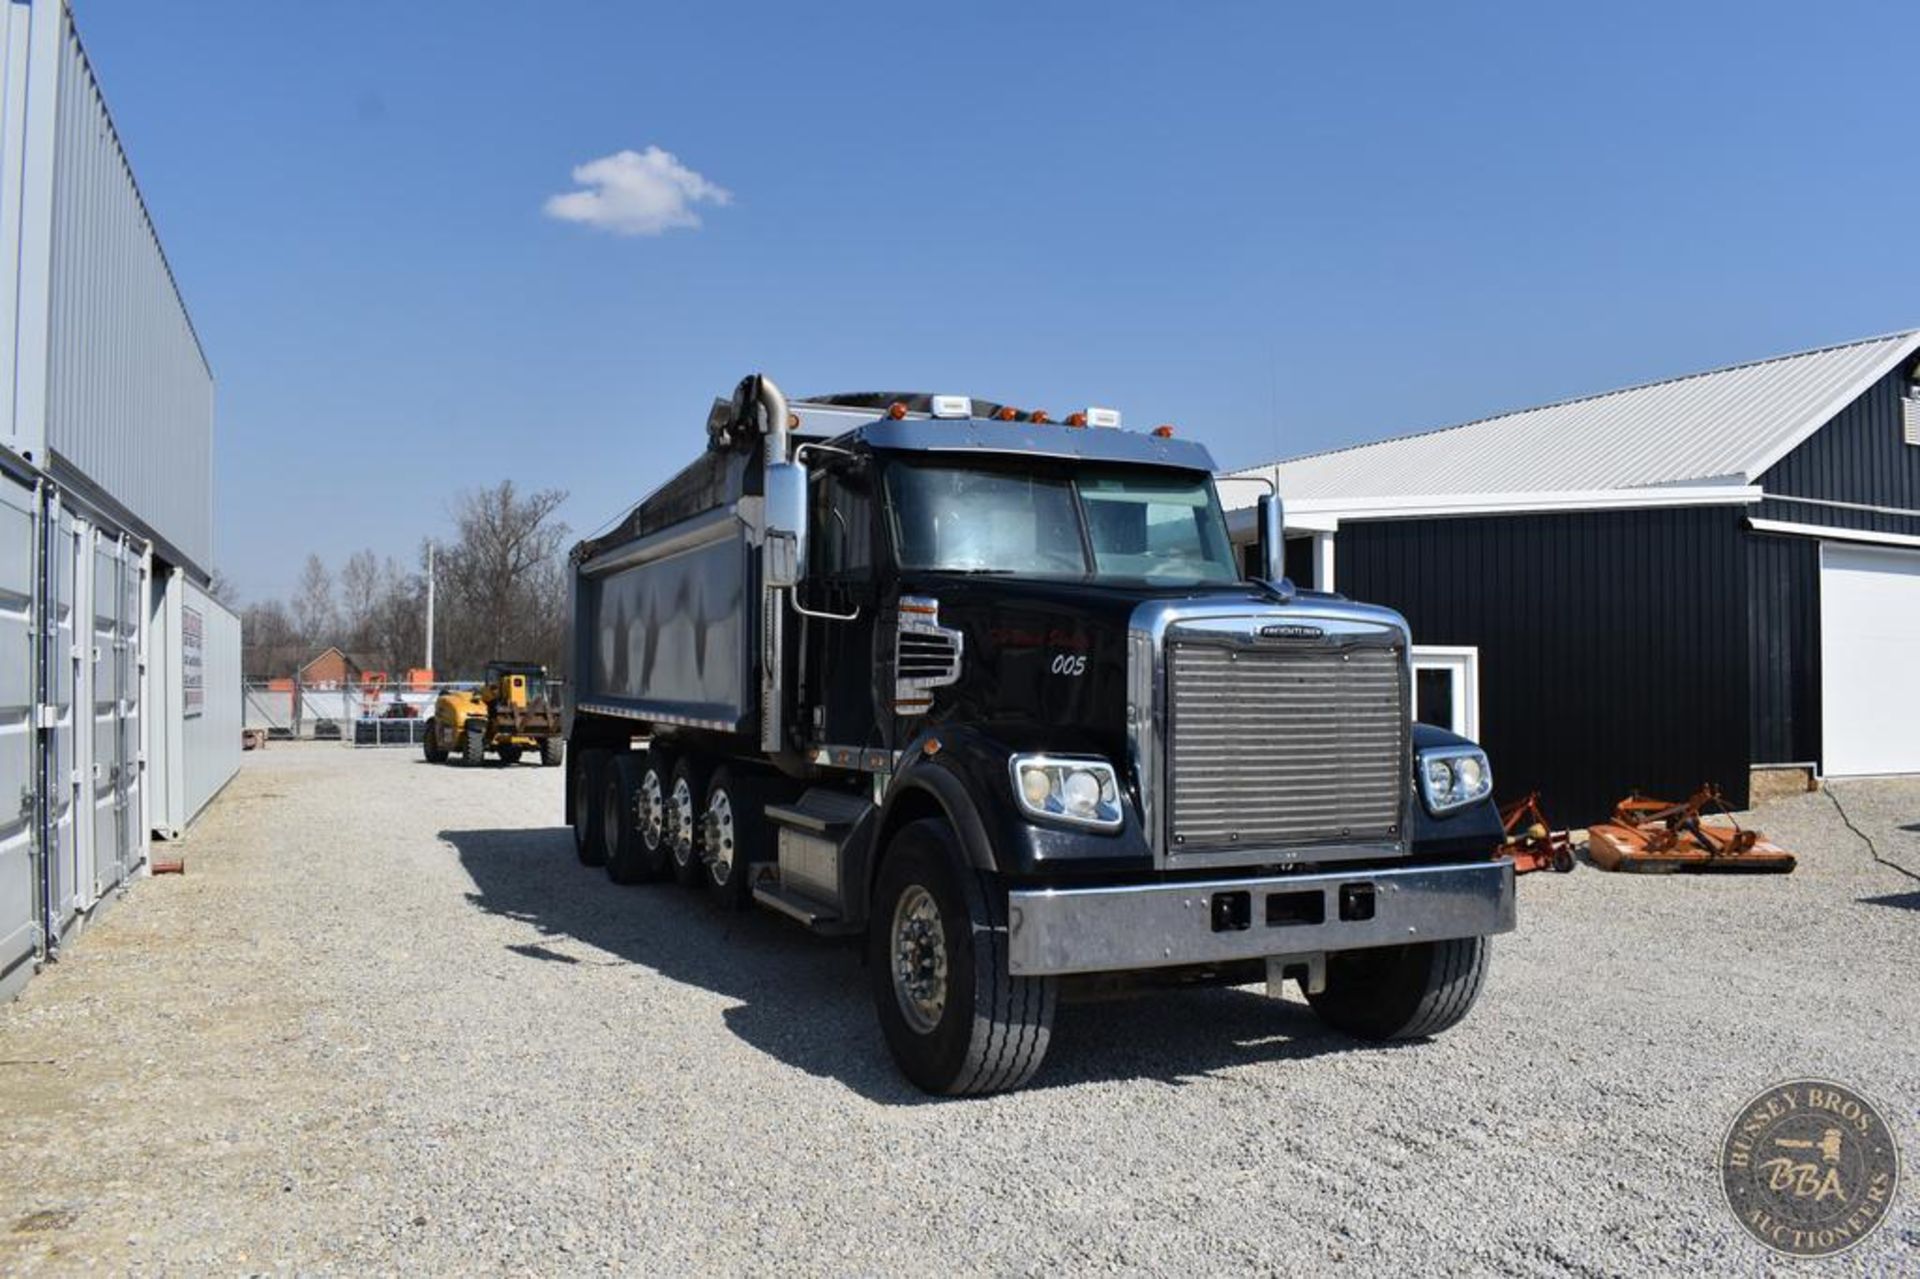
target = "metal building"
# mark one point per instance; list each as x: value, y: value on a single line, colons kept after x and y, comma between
x: 119, y: 675
x: 1714, y: 578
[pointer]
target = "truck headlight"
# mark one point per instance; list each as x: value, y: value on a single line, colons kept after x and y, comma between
x: 1085, y: 792
x: 1453, y: 777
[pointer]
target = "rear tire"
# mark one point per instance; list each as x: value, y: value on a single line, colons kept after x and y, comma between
x: 626, y: 856
x: 1402, y: 992
x: 552, y: 751
x: 430, y: 744
x: 588, y: 840
x: 474, y: 753
x: 685, y: 790
x: 651, y: 817
x: 956, y: 1020
x: 508, y: 754
x: 734, y: 835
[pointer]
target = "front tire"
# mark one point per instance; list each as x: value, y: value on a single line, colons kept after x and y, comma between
x: 430, y: 744
x: 588, y: 838
x: 552, y: 751
x: 474, y: 753
x: 955, y: 1019
x: 1402, y: 992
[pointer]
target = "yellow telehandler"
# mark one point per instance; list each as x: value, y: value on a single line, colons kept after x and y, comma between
x: 512, y: 713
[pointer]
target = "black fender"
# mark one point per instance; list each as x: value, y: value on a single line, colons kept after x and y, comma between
x: 1474, y: 831
x: 963, y: 774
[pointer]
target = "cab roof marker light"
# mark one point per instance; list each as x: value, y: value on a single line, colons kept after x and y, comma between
x: 952, y: 406
x: 1039, y: 417
x: 1007, y: 413
x: 896, y: 410
x: 1103, y: 417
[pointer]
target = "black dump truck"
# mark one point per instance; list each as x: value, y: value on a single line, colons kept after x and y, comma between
x: 992, y: 693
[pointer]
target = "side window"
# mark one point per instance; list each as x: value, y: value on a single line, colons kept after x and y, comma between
x: 840, y: 540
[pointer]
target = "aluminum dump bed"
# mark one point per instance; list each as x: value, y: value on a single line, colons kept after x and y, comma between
x: 663, y: 605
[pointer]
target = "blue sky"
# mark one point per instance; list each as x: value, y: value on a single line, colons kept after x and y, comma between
x: 1281, y: 228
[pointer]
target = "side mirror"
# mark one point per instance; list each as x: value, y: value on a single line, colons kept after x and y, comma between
x: 1273, y: 537
x: 785, y: 552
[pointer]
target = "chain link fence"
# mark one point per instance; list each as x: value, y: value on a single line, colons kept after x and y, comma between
x: 373, y: 713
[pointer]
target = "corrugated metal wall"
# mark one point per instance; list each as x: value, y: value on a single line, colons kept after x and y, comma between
x: 20, y: 894
x: 129, y: 393
x: 1783, y: 628
x: 211, y: 735
x: 1613, y: 646
x: 101, y: 375
x: 106, y: 509
x: 1861, y: 456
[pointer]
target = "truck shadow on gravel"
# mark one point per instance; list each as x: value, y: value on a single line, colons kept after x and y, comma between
x: 804, y: 1001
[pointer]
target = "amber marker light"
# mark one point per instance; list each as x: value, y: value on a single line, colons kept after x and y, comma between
x: 1163, y: 432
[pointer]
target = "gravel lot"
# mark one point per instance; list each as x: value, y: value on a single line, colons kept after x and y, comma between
x: 386, y: 1022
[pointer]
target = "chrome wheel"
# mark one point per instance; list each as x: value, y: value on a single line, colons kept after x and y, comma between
x: 681, y: 810
x: 919, y: 959
x: 652, y: 810
x: 719, y: 834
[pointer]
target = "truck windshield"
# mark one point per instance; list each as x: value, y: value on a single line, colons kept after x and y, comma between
x: 1111, y: 523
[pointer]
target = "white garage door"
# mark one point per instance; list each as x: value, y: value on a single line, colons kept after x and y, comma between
x: 1869, y: 660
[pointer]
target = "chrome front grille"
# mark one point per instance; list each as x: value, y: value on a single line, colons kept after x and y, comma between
x: 1285, y: 746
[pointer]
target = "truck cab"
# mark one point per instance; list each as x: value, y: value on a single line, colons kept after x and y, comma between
x: 992, y: 692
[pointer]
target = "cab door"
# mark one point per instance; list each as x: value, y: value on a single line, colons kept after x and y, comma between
x: 840, y: 681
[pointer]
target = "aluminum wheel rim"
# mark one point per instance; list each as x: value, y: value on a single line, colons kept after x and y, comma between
x: 719, y: 835
x: 682, y: 822
x: 919, y: 959
x: 653, y: 811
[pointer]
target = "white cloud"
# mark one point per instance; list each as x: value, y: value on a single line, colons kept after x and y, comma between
x: 636, y: 193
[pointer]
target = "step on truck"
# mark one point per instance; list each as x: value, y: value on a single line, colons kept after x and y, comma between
x: 992, y: 693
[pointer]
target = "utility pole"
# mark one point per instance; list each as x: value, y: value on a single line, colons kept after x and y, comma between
x: 430, y: 608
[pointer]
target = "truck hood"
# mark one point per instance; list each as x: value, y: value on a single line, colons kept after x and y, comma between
x: 1044, y: 664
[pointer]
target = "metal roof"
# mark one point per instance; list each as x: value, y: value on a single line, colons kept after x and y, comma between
x: 1722, y: 427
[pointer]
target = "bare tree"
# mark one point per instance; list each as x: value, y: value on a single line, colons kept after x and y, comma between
x: 270, y: 644
x: 502, y: 593
x: 314, y: 615
x: 505, y: 584
x: 396, y: 627
x: 359, y: 595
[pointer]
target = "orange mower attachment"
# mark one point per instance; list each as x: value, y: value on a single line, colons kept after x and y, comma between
x: 1531, y: 840
x: 1654, y: 835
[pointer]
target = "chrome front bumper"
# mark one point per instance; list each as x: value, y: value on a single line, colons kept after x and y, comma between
x: 1086, y: 930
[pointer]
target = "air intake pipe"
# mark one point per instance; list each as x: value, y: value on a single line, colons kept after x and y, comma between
x: 783, y: 544
x: 758, y: 391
